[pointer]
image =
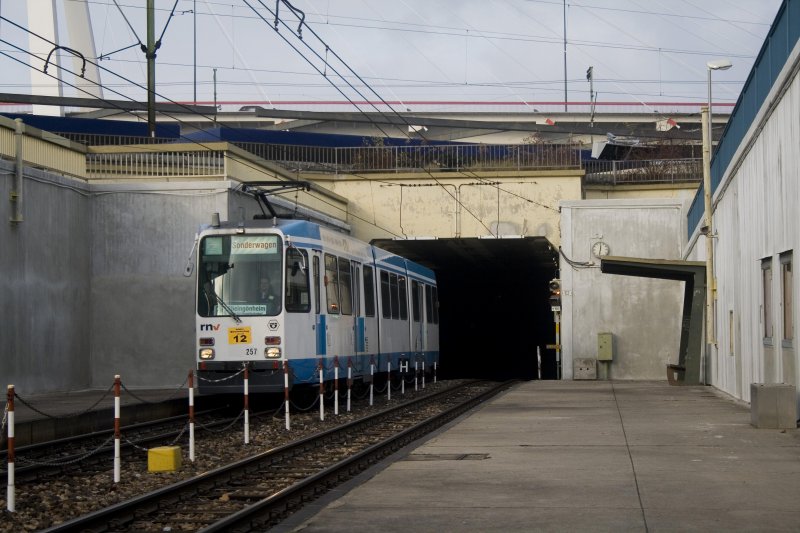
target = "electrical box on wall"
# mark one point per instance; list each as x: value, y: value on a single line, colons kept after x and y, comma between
x: 605, y: 346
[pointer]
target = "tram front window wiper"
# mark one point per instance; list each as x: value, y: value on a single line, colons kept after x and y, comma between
x: 211, y: 293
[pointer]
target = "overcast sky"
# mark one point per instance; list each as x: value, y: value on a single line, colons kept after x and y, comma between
x: 413, y: 50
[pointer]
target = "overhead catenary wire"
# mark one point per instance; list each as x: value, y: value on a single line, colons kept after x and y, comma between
x: 302, y: 23
x: 189, y: 109
x: 130, y: 112
x: 364, y: 85
x: 487, y: 34
x: 144, y: 147
x: 315, y: 67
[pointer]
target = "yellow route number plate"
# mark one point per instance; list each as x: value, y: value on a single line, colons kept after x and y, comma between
x: 239, y: 335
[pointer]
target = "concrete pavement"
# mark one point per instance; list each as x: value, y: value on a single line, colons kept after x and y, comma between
x: 580, y: 456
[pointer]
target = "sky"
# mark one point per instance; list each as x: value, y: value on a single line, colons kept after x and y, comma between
x: 411, y: 51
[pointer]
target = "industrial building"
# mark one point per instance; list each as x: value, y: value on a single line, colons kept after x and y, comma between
x: 99, y: 235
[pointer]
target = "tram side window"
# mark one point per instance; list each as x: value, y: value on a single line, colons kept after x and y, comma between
x: 428, y: 304
x: 345, y: 287
x: 386, y: 299
x: 395, y: 296
x: 415, y: 309
x: 402, y: 288
x: 369, y: 291
x: 316, y: 285
x: 297, y: 289
x: 332, y: 284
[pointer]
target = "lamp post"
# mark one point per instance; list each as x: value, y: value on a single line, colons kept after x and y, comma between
x: 707, y: 230
x: 720, y: 64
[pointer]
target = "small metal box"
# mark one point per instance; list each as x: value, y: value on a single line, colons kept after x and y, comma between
x: 584, y: 368
x: 605, y: 346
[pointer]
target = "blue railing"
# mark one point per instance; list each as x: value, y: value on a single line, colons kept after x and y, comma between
x: 780, y: 41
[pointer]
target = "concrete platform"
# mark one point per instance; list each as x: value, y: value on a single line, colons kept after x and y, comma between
x: 580, y: 456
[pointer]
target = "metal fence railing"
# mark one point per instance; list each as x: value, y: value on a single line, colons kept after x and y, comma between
x: 343, y: 160
x: 655, y: 171
x: 179, y: 164
x: 395, y: 159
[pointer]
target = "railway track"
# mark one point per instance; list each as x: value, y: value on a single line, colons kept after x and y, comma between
x: 259, y: 492
x: 85, y: 452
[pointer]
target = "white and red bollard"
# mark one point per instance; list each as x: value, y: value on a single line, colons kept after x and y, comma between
x: 117, y: 436
x: 321, y: 391
x: 416, y: 375
x: 336, y: 385
x: 246, y: 404
x: 403, y: 372
x: 435, y: 364
x: 10, y: 494
x: 286, y: 393
x: 349, y: 381
x: 191, y: 415
x: 371, y: 377
x: 423, y: 373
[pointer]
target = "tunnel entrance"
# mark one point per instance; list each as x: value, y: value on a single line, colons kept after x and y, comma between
x: 494, y: 308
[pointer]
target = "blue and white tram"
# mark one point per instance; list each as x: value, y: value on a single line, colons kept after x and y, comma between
x: 333, y: 299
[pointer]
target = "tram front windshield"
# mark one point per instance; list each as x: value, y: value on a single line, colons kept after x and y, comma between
x: 239, y: 275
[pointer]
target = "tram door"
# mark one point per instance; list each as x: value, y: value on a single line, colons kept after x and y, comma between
x: 358, y: 319
x: 368, y: 323
x: 320, y: 324
x: 418, y: 333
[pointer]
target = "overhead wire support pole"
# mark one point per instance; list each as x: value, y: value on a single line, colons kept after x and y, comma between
x: 565, y: 55
x: 194, y: 37
x: 150, y: 53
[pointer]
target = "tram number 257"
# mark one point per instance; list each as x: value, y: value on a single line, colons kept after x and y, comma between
x: 250, y: 351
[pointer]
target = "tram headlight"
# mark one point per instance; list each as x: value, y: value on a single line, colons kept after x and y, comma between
x: 273, y: 352
x: 206, y: 354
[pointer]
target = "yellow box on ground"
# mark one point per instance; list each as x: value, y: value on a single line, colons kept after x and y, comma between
x: 164, y: 459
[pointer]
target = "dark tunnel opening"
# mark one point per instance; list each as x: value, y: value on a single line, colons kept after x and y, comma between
x: 494, y: 308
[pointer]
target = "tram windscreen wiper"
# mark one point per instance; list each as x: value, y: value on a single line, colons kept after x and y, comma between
x: 209, y: 289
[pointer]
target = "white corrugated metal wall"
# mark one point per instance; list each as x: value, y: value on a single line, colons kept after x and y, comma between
x: 757, y: 217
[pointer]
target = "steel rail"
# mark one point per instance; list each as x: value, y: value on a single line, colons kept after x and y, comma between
x: 35, y: 461
x: 116, y: 517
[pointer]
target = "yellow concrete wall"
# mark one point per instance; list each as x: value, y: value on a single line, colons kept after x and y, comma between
x: 630, y: 192
x: 43, y: 149
x: 455, y: 204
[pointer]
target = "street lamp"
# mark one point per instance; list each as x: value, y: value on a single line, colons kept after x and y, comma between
x: 707, y: 230
x: 719, y: 64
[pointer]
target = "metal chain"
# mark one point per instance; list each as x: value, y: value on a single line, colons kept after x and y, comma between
x: 70, y: 462
x: 134, y: 444
x: 3, y: 435
x: 297, y: 408
x: 183, y: 430
x: 277, y: 411
x: 221, y: 379
x: 174, y: 394
x: 67, y: 415
x: 362, y: 396
x: 358, y: 368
